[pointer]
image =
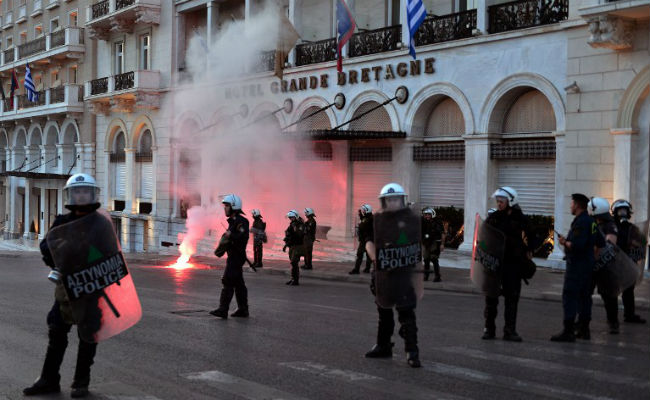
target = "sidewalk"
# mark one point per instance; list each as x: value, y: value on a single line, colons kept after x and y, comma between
x: 545, y: 285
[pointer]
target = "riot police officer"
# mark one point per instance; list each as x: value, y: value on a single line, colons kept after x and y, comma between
x: 604, y: 278
x: 294, y: 237
x: 631, y: 242
x: 579, y: 249
x: 233, y: 243
x: 259, y: 237
x: 395, y: 250
x: 310, y: 237
x: 82, y: 198
x: 433, y: 242
x: 365, y: 234
x: 510, y: 220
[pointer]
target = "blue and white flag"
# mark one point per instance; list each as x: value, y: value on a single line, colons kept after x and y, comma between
x: 415, y: 13
x: 32, y: 95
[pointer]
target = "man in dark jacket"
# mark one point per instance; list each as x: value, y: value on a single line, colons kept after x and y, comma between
x: 294, y: 239
x: 259, y: 237
x: 576, y: 293
x: 365, y: 234
x: 433, y: 242
x: 510, y: 220
x: 233, y: 243
x: 310, y: 237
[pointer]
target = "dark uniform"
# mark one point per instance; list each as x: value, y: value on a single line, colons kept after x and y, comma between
x: 432, y: 236
x: 294, y: 239
x: 514, y: 224
x: 60, y: 321
x: 604, y: 279
x: 233, y: 275
x: 365, y: 232
x: 259, y: 238
x: 576, y: 293
x: 310, y: 238
x: 624, y: 233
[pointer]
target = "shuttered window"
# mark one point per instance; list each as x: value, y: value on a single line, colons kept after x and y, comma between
x: 367, y: 180
x: 442, y: 183
x: 531, y: 112
x: 534, y: 181
x: 377, y: 120
x: 446, y: 119
x: 120, y: 180
x: 146, y: 181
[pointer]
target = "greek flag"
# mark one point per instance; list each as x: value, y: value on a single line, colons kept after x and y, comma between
x: 32, y: 95
x: 415, y: 13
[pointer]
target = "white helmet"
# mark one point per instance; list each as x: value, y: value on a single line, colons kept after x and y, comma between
x: 598, y: 206
x: 255, y: 213
x: 309, y: 211
x: 509, y: 193
x: 429, y: 210
x: 620, y: 203
x: 233, y: 200
x: 365, y: 209
x: 292, y: 214
x: 77, y: 184
x: 392, y: 190
x: 491, y: 210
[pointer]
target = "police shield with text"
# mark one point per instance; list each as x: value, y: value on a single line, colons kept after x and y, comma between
x: 233, y: 243
x: 395, y: 251
x: 310, y: 237
x: 93, y: 287
x: 364, y: 235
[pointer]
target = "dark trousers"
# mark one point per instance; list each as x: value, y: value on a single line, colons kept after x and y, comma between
x: 361, y: 250
x: 431, y: 253
x: 295, y: 252
x: 233, y: 284
x: 610, y: 301
x: 510, y: 290
x: 257, y: 253
x: 576, y: 298
x: 58, y: 331
x: 309, y: 249
x: 628, y: 302
x: 408, y: 330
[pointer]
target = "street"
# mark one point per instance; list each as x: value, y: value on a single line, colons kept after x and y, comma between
x: 308, y: 342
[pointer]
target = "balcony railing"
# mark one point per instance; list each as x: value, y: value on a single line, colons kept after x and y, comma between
x: 99, y: 86
x: 117, y: 157
x: 119, y: 4
x: 9, y: 55
x: 31, y: 47
x: 316, y: 52
x: 436, y: 29
x: 57, y: 38
x: 64, y: 96
x: 144, y: 157
x: 124, y: 81
x: 99, y: 9
x: 57, y: 95
x: 376, y: 41
x: 24, y: 102
x: 526, y: 13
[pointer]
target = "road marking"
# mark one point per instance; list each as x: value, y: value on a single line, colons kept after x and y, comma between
x: 370, y: 382
x: 508, y: 382
x: 118, y: 391
x: 549, y: 366
x: 239, y: 386
x: 571, y: 351
x: 295, y: 303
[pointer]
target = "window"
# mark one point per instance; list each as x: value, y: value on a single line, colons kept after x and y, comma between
x: 72, y: 18
x: 23, y: 37
x: 54, y: 24
x: 38, y: 31
x: 119, y: 57
x: 464, y: 5
x: 145, y: 51
x: 10, y: 42
x: 54, y: 78
x: 72, y: 74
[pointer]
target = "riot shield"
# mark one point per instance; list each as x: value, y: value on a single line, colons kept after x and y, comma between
x: 618, y: 270
x: 398, y: 252
x: 487, y: 256
x: 638, y: 245
x: 102, y: 296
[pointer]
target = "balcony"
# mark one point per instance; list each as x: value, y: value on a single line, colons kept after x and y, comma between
x: 526, y: 14
x: 124, y: 92
x: 376, y: 41
x: 316, y: 52
x: 61, y: 100
x: 107, y: 16
x: 52, y: 4
x: 436, y: 29
x: 37, y: 8
x: 53, y: 48
x: 22, y: 14
x: 611, y: 23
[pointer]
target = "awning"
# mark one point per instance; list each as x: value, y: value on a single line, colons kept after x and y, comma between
x: 34, y: 175
x: 330, y: 134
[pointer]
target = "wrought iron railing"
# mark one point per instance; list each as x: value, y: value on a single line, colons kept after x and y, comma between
x: 99, y: 9
x: 57, y: 95
x: 9, y: 55
x: 266, y: 61
x: 526, y: 13
x: 316, y: 52
x: 31, y: 47
x: 436, y: 29
x: 125, y: 81
x: 119, y: 4
x: 376, y: 41
x: 24, y: 102
x: 117, y: 157
x: 144, y: 157
x: 99, y: 86
x: 57, y: 38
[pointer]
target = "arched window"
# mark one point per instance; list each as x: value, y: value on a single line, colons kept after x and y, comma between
x: 530, y: 112
x: 118, y: 158
x: 376, y: 120
x: 446, y: 119
x: 146, y: 142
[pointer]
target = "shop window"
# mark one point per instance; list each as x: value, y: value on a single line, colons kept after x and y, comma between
x: 119, y: 205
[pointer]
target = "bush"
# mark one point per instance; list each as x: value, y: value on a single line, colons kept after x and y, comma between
x: 541, y: 231
x: 453, y: 218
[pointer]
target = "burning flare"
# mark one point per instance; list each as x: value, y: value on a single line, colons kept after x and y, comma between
x: 183, y: 261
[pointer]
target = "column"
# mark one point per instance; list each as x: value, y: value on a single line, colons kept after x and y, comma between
x: 403, y: 169
x: 26, y: 217
x: 247, y: 13
x: 480, y: 183
x: 10, y: 223
x: 130, y: 205
x: 403, y: 20
x: 105, y: 191
x: 340, y: 164
x: 295, y: 23
x: 561, y: 206
x: 43, y: 228
x: 174, y: 165
x: 623, y: 162
x: 211, y: 24
x: 482, y: 17
x: 154, y: 192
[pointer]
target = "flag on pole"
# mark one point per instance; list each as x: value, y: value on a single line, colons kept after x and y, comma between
x: 14, y: 87
x: 4, y: 97
x: 345, y: 26
x: 415, y: 13
x: 32, y: 94
x: 286, y: 40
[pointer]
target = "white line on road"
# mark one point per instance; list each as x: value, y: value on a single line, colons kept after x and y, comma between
x: 239, y: 386
x: 374, y: 383
x: 549, y: 366
x: 296, y: 303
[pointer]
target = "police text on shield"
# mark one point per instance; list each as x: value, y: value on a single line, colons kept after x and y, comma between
x: 96, y: 277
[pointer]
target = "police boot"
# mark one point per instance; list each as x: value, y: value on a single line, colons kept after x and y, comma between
x: 427, y: 268
x: 613, y: 327
x: 413, y: 359
x: 582, y: 330
x: 295, y: 275
x: 381, y: 351
x: 567, y: 334
x: 436, y: 271
x: 241, y: 295
x: 490, y: 314
x: 611, y: 309
x: 634, y: 319
x: 42, y: 386
x: 224, y: 303
x: 85, y: 357
x: 510, y: 314
x: 48, y: 382
x: 367, y: 268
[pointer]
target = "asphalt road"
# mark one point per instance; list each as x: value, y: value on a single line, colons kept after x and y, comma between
x: 308, y: 342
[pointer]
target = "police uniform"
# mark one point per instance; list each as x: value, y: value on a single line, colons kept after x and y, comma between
x: 432, y: 236
x: 604, y: 279
x: 259, y: 238
x: 624, y: 239
x: 514, y: 224
x: 294, y: 239
x: 310, y: 238
x: 365, y: 231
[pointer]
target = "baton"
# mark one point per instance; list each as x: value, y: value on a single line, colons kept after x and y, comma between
x: 110, y: 304
x: 558, y: 233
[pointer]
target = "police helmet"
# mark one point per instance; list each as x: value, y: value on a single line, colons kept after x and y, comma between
x: 622, y: 209
x: 508, y: 193
x: 255, y: 213
x: 309, y: 212
x: 491, y: 210
x: 292, y: 214
x: 430, y: 211
x: 233, y: 200
x: 365, y: 209
x: 392, y: 190
x: 598, y: 206
x: 81, y: 190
